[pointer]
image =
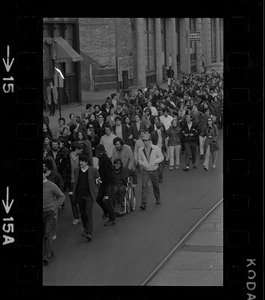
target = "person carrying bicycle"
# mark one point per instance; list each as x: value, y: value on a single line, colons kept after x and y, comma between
x: 121, y: 175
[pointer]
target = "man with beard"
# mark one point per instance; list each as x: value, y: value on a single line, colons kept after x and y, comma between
x: 121, y: 175
x: 123, y: 152
x: 61, y: 157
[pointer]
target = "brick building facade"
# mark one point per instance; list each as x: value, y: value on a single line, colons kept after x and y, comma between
x: 61, y: 50
x: 136, y: 51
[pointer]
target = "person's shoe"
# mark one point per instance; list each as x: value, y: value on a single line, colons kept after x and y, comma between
x: 143, y: 206
x: 54, y: 237
x: 186, y: 169
x: 177, y: 167
x: 194, y: 167
x: 76, y: 221
x: 158, y: 202
x: 88, y: 236
x: 160, y: 180
x: 170, y: 168
x: 214, y: 166
x: 205, y: 168
x: 105, y: 216
x: 109, y: 223
x: 61, y: 207
x: 84, y: 233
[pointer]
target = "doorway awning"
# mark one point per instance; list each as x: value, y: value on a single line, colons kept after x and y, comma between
x: 63, y: 52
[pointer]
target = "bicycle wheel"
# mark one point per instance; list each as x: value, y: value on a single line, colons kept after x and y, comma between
x: 127, y: 202
x: 132, y: 199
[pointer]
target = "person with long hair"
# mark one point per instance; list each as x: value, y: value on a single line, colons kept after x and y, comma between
x: 111, y: 117
x: 210, y: 145
x: 128, y: 134
x: 72, y: 136
x: 46, y: 144
x: 93, y: 138
x: 47, y: 131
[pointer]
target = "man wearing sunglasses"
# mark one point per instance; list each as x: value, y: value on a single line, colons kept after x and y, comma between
x: 149, y: 158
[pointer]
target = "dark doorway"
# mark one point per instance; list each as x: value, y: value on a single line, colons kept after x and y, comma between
x: 125, y: 80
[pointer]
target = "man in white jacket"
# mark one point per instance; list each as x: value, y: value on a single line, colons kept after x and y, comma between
x: 149, y: 157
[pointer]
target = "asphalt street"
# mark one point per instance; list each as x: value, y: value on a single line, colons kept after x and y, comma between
x: 126, y: 253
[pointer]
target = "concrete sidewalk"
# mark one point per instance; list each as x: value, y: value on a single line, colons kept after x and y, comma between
x: 199, y: 262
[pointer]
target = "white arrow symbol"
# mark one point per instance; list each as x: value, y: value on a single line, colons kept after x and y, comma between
x: 7, y: 206
x: 59, y: 71
x: 6, y: 63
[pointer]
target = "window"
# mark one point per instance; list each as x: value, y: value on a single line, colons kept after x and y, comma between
x: 193, y: 44
x: 68, y: 36
x: 213, y: 39
x: 47, y: 61
x: 150, y: 53
x: 221, y: 25
x: 178, y: 41
x: 163, y: 35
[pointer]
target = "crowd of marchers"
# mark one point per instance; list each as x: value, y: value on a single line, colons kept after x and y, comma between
x: 89, y: 158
